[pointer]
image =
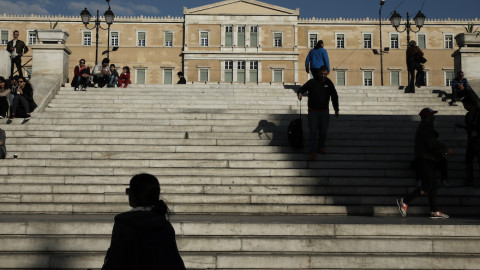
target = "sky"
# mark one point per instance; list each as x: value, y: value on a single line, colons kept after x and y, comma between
x: 433, y: 9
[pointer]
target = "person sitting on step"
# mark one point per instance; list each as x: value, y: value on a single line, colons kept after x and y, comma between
x: 113, y: 78
x: 459, y: 86
x: 4, y: 98
x: 24, y: 98
x: 124, y: 79
x: 81, y: 76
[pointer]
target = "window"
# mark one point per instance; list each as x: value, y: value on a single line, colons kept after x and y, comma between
x: 340, y: 40
x: 168, y: 39
x: 32, y: 37
x: 395, y: 78
x: 254, y: 71
x: 204, y: 39
x: 367, y: 41
x: 340, y: 74
x: 253, y: 36
x: 367, y: 78
x: 167, y: 76
x: 4, y: 37
x: 449, y: 77
x: 203, y: 75
x: 87, y: 38
x: 277, y: 75
x: 313, y: 40
x: 277, y: 39
x: 229, y: 71
x: 448, y: 41
x: 141, y: 39
x: 228, y: 36
x: 422, y: 41
x: 394, y: 41
x: 241, y: 71
x: 114, y: 39
x: 140, y: 76
x: 241, y: 36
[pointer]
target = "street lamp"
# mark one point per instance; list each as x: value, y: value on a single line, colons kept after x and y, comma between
x: 419, y: 20
x: 382, y: 2
x: 109, y: 17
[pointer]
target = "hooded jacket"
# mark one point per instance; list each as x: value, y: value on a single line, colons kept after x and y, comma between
x: 142, y: 240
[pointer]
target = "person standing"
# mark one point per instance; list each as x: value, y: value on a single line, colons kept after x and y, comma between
x: 459, y: 86
x: 472, y: 126
x: 143, y: 238
x: 415, y: 60
x: 317, y: 58
x: 17, y: 49
x: 428, y: 151
x: 320, y: 89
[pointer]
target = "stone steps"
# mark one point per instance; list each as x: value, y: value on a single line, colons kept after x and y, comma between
x: 221, y: 155
x: 59, y: 242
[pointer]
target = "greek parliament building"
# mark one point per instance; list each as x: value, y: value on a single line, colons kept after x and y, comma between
x: 248, y: 41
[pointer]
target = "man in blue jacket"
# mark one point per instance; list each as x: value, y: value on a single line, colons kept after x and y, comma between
x: 317, y: 58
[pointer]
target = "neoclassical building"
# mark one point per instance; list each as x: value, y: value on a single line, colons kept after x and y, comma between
x: 248, y: 41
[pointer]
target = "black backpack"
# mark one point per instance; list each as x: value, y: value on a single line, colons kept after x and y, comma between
x: 295, y: 131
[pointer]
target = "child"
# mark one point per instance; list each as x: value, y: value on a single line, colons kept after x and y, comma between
x: 124, y: 77
x: 113, y: 78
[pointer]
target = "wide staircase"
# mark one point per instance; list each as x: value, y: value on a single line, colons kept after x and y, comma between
x: 242, y: 198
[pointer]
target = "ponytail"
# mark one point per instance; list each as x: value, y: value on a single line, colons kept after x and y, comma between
x: 161, y: 209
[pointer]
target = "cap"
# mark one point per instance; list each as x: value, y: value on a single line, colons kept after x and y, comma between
x: 426, y: 112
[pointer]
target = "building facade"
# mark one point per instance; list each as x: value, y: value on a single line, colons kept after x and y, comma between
x: 251, y: 42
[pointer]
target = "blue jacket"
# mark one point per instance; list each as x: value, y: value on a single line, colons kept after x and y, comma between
x: 317, y: 58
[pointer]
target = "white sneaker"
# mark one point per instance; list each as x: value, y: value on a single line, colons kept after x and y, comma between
x: 95, y: 85
x: 76, y: 89
x: 438, y: 215
x: 84, y: 89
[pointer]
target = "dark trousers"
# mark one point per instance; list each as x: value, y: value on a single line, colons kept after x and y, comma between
x: 82, y: 81
x: 3, y: 106
x: 17, y: 61
x: 418, y: 79
x: 425, y: 170
x: 318, y: 122
x: 102, y: 81
x: 473, y: 150
x: 19, y: 99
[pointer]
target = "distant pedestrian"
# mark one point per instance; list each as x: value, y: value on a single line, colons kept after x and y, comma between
x: 317, y: 58
x: 472, y: 126
x: 17, y: 49
x: 143, y: 238
x: 428, y: 151
x: 415, y: 59
x: 181, y: 78
x: 459, y: 88
x: 320, y: 90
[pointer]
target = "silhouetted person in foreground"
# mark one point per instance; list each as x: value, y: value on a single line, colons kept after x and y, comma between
x: 143, y: 238
x: 472, y: 126
x: 320, y: 90
x: 428, y: 151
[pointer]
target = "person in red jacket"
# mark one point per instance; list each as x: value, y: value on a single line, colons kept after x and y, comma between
x: 124, y: 79
x: 81, y: 76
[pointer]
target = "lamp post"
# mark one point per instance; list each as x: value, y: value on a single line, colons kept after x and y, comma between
x: 419, y: 20
x: 109, y: 17
x: 382, y: 2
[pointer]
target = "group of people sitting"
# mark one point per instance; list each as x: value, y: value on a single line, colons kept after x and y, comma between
x: 16, y: 98
x: 103, y: 74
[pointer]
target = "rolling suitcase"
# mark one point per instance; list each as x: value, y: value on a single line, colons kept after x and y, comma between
x: 295, y: 131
